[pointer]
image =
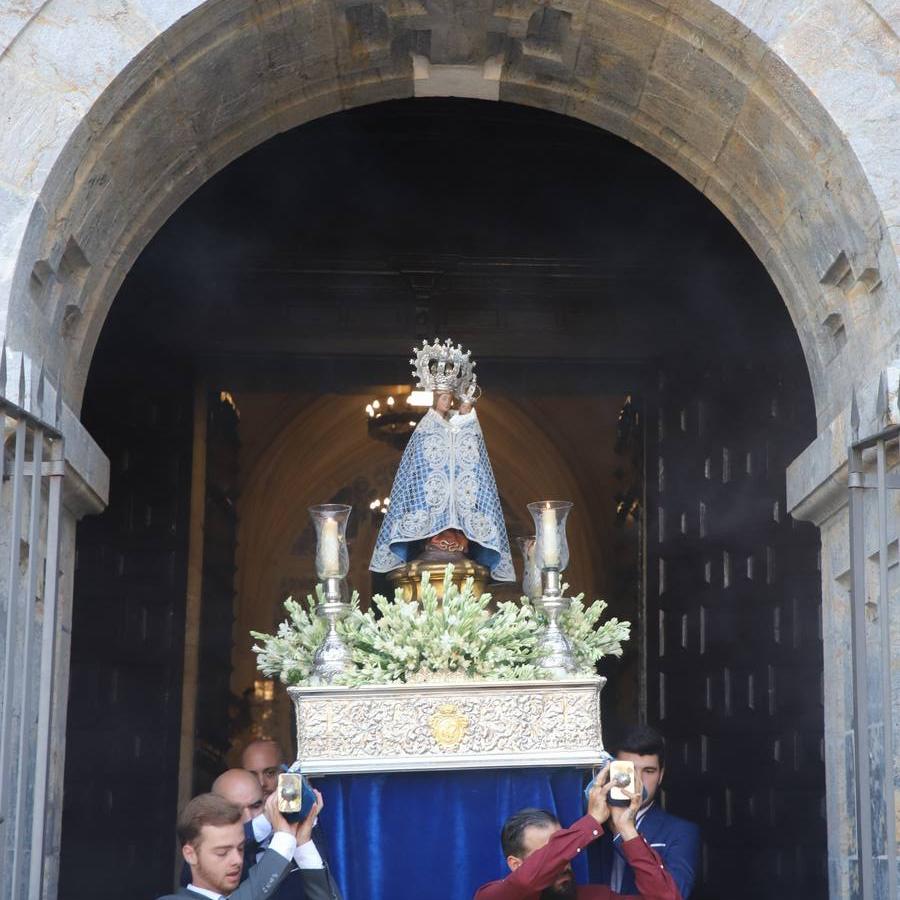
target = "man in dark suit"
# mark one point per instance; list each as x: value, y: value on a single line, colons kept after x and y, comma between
x: 212, y: 843
x: 307, y: 878
x: 677, y: 841
x: 311, y: 878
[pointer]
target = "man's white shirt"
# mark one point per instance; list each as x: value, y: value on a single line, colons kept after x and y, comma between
x: 306, y: 856
x: 204, y: 892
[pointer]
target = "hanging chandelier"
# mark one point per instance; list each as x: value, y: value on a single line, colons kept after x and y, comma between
x: 393, y: 418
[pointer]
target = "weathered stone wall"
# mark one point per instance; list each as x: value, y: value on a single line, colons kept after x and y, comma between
x: 784, y: 113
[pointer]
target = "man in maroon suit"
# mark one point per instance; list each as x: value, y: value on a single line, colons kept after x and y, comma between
x: 539, y: 851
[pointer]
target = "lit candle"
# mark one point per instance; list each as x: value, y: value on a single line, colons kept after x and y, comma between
x: 329, y: 549
x: 549, y: 538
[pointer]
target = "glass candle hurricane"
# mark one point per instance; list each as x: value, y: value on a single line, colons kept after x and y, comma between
x: 531, y: 575
x: 551, y: 557
x: 330, y: 521
x: 332, y: 565
x: 552, y: 548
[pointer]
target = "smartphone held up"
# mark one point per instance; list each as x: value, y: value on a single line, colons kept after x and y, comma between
x: 621, y: 776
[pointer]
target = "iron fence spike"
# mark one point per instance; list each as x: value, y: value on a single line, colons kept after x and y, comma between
x: 881, y: 406
x: 20, y: 390
x: 40, y: 392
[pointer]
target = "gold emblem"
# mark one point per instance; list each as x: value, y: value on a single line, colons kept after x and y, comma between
x: 448, y: 725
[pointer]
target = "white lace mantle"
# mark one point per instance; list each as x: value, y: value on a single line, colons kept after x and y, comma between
x: 444, y: 481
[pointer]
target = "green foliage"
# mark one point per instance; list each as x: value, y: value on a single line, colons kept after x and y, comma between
x: 455, y: 637
x: 288, y: 654
x: 431, y: 640
x: 590, y: 640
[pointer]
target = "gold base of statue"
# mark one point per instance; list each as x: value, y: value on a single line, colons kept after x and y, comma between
x: 409, y: 577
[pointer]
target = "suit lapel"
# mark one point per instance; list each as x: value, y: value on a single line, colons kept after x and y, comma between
x: 650, y: 823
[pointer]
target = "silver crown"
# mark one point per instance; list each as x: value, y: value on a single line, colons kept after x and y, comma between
x: 442, y: 367
x: 470, y: 391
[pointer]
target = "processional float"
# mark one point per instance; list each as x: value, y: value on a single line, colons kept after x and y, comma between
x: 436, y: 678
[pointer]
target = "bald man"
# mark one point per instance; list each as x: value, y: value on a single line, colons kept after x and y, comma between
x: 240, y: 788
x: 263, y: 759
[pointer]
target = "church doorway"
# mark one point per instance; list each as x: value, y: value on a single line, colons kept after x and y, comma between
x: 636, y: 358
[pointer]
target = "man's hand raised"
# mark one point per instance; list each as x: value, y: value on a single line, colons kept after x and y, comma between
x: 624, y: 818
x: 597, y: 805
x: 304, y: 832
x: 301, y: 830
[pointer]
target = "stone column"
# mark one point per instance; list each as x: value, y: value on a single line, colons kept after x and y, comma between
x: 818, y: 492
x: 85, y: 493
x: 84, y: 481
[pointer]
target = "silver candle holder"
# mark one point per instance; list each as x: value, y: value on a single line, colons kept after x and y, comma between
x: 554, y: 650
x: 332, y: 566
x: 552, y: 555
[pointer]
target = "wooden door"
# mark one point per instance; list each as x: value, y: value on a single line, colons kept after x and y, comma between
x: 124, y: 713
x: 213, y: 724
x: 734, y: 651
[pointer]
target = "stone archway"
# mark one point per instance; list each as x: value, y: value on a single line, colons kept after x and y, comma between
x: 780, y: 113
x: 737, y: 100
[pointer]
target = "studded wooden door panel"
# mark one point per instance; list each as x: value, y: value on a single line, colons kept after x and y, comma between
x: 124, y: 711
x: 734, y: 653
x: 212, y: 725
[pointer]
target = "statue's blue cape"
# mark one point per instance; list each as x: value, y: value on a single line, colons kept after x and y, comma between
x: 444, y: 481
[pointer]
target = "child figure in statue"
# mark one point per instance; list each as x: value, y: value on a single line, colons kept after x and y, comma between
x: 444, y: 498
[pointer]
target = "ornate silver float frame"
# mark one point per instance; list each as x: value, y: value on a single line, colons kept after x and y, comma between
x: 477, y: 725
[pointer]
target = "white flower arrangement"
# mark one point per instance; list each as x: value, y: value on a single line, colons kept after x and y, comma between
x: 590, y: 641
x: 288, y: 654
x: 457, y: 638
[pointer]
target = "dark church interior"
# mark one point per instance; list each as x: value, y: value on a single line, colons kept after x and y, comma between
x: 632, y: 345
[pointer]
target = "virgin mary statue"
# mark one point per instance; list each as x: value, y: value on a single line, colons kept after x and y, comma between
x: 444, y: 493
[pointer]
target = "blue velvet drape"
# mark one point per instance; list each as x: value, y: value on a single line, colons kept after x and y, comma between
x: 434, y: 835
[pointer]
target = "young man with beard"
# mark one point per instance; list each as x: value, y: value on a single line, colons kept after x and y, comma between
x: 307, y: 878
x: 676, y: 840
x: 539, y: 853
x: 212, y: 842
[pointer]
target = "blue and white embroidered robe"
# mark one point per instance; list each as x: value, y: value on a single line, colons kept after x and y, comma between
x: 445, y: 481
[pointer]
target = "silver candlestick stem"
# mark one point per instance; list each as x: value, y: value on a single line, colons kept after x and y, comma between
x: 332, y: 658
x: 554, y: 650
